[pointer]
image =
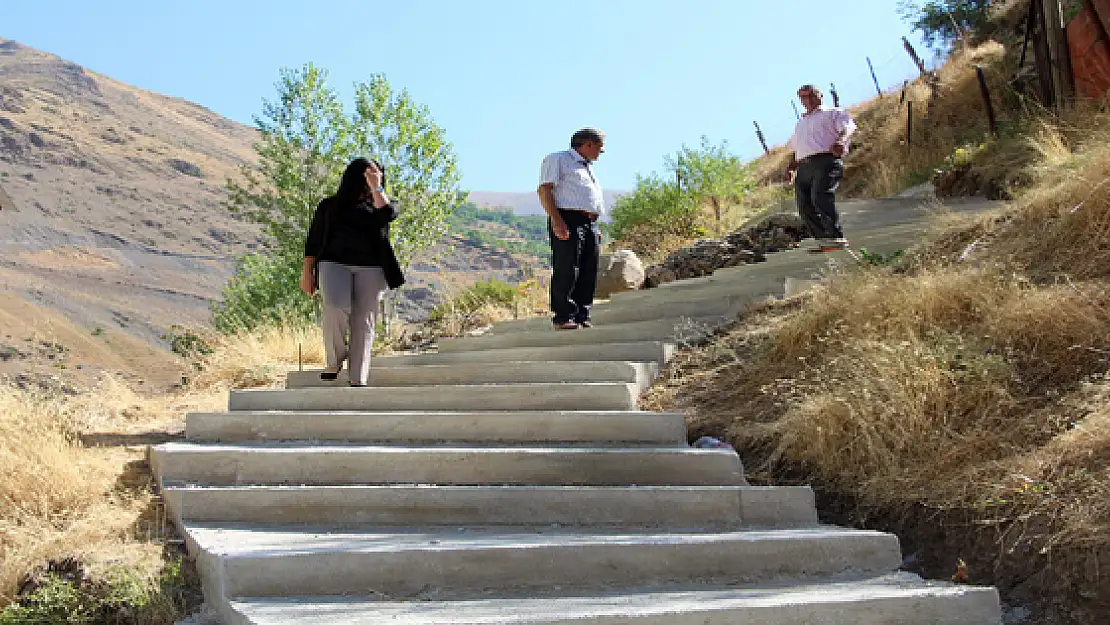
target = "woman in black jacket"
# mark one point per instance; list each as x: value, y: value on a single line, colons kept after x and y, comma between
x: 348, y: 256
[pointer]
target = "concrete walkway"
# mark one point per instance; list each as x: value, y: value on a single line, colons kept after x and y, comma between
x: 509, y: 478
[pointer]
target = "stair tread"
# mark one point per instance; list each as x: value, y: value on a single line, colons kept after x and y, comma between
x: 248, y: 540
x: 502, y: 488
x: 625, y: 604
x: 442, y: 413
x: 316, y: 447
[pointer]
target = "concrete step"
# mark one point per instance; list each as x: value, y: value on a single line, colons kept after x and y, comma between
x: 640, y: 373
x: 739, y: 285
x: 230, y: 464
x: 706, y: 279
x: 617, y: 427
x: 670, y: 506
x: 900, y: 598
x: 681, y: 330
x: 610, y: 313
x: 578, y: 396
x: 640, y: 351
x: 404, y: 563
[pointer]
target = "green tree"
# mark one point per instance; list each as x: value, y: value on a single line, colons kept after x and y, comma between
x: 710, y: 175
x: 942, y: 22
x: 660, y: 207
x: 661, y: 204
x: 306, y: 140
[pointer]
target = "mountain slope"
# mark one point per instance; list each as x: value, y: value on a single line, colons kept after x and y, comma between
x: 116, y: 223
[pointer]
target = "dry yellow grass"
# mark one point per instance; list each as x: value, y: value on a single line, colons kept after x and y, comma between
x: 963, y: 393
x: 258, y: 358
x: 73, y: 480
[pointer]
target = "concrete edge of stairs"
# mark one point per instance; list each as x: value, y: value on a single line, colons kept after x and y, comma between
x: 895, y: 598
x: 409, y: 504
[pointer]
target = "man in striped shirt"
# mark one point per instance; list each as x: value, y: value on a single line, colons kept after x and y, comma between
x: 571, y: 197
x: 819, y: 144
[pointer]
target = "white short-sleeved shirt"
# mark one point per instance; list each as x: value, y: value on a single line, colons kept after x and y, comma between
x: 576, y: 185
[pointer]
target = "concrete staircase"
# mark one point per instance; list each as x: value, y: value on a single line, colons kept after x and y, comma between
x: 510, y: 478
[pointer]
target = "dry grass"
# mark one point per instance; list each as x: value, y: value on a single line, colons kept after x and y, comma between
x: 971, y: 381
x: 484, y: 303
x: 258, y: 358
x: 74, y: 481
x: 73, y: 477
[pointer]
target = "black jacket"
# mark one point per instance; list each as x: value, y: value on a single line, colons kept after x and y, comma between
x: 355, y: 235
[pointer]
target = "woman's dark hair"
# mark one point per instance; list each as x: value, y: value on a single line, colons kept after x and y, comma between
x: 352, y: 186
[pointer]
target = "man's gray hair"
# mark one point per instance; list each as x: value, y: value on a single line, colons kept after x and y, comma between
x: 817, y: 92
x: 585, y: 135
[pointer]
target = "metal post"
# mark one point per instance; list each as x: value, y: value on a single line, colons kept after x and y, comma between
x: 797, y: 115
x: 835, y: 95
x: 759, y: 135
x: 985, y: 92
x: 873, y: 78
x: 913, y: 55
x: 909, y: 122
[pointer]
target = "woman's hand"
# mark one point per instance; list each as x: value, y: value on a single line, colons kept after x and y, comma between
x: 373, y: 176
x: 308, y: 284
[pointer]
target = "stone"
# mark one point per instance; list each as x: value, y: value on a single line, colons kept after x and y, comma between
x: 776, y: 233
x: 617, y: 272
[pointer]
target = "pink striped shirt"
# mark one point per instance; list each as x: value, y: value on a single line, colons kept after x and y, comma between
x: 816, y: 132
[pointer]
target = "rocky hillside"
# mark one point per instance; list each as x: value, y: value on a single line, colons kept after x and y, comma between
x: 114, y: 226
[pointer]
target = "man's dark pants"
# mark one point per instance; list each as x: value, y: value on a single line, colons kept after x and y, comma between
x: 815, y: 190
x: 574, y: 267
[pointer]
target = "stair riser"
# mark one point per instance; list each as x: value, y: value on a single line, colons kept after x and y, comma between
x: 449, y: 466
x: 732, y: 287
x: 404, y: 574
x: 493, y: 427
x: 652, y: 351
x: 613, y: 314
x: 664, y: 507
x: 603, y: 396
x: 489, y: 373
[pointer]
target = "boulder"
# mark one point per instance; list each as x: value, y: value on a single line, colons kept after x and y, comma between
x: 618, y: 271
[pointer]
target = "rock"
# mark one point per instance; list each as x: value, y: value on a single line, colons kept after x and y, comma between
x: 185, y: 167
x: 617, y: 272
x: 781, y: 231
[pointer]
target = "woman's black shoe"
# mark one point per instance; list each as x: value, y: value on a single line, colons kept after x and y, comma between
x: 328, y: 375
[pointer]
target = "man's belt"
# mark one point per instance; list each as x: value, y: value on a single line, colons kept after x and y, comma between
x: 592, y: 216
x: 817, y: 155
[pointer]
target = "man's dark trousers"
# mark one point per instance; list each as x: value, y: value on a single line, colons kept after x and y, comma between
x: 815, y: 190
x: 574, y: 267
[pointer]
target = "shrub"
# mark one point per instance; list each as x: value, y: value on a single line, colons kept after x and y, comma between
x: 121, y: 596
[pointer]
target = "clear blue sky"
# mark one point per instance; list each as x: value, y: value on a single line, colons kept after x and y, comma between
x: 509, y: 80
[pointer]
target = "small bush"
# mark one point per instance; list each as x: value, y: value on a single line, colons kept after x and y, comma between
x: 186, y: 343
x: 483, y: 303
x: 487, y: 292
x: 122, y: 596
x: 264, y: 292
x: 877, y: 259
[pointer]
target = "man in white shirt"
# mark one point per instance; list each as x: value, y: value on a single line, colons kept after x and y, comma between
x: 819, y: 144
x: 571, y: 197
